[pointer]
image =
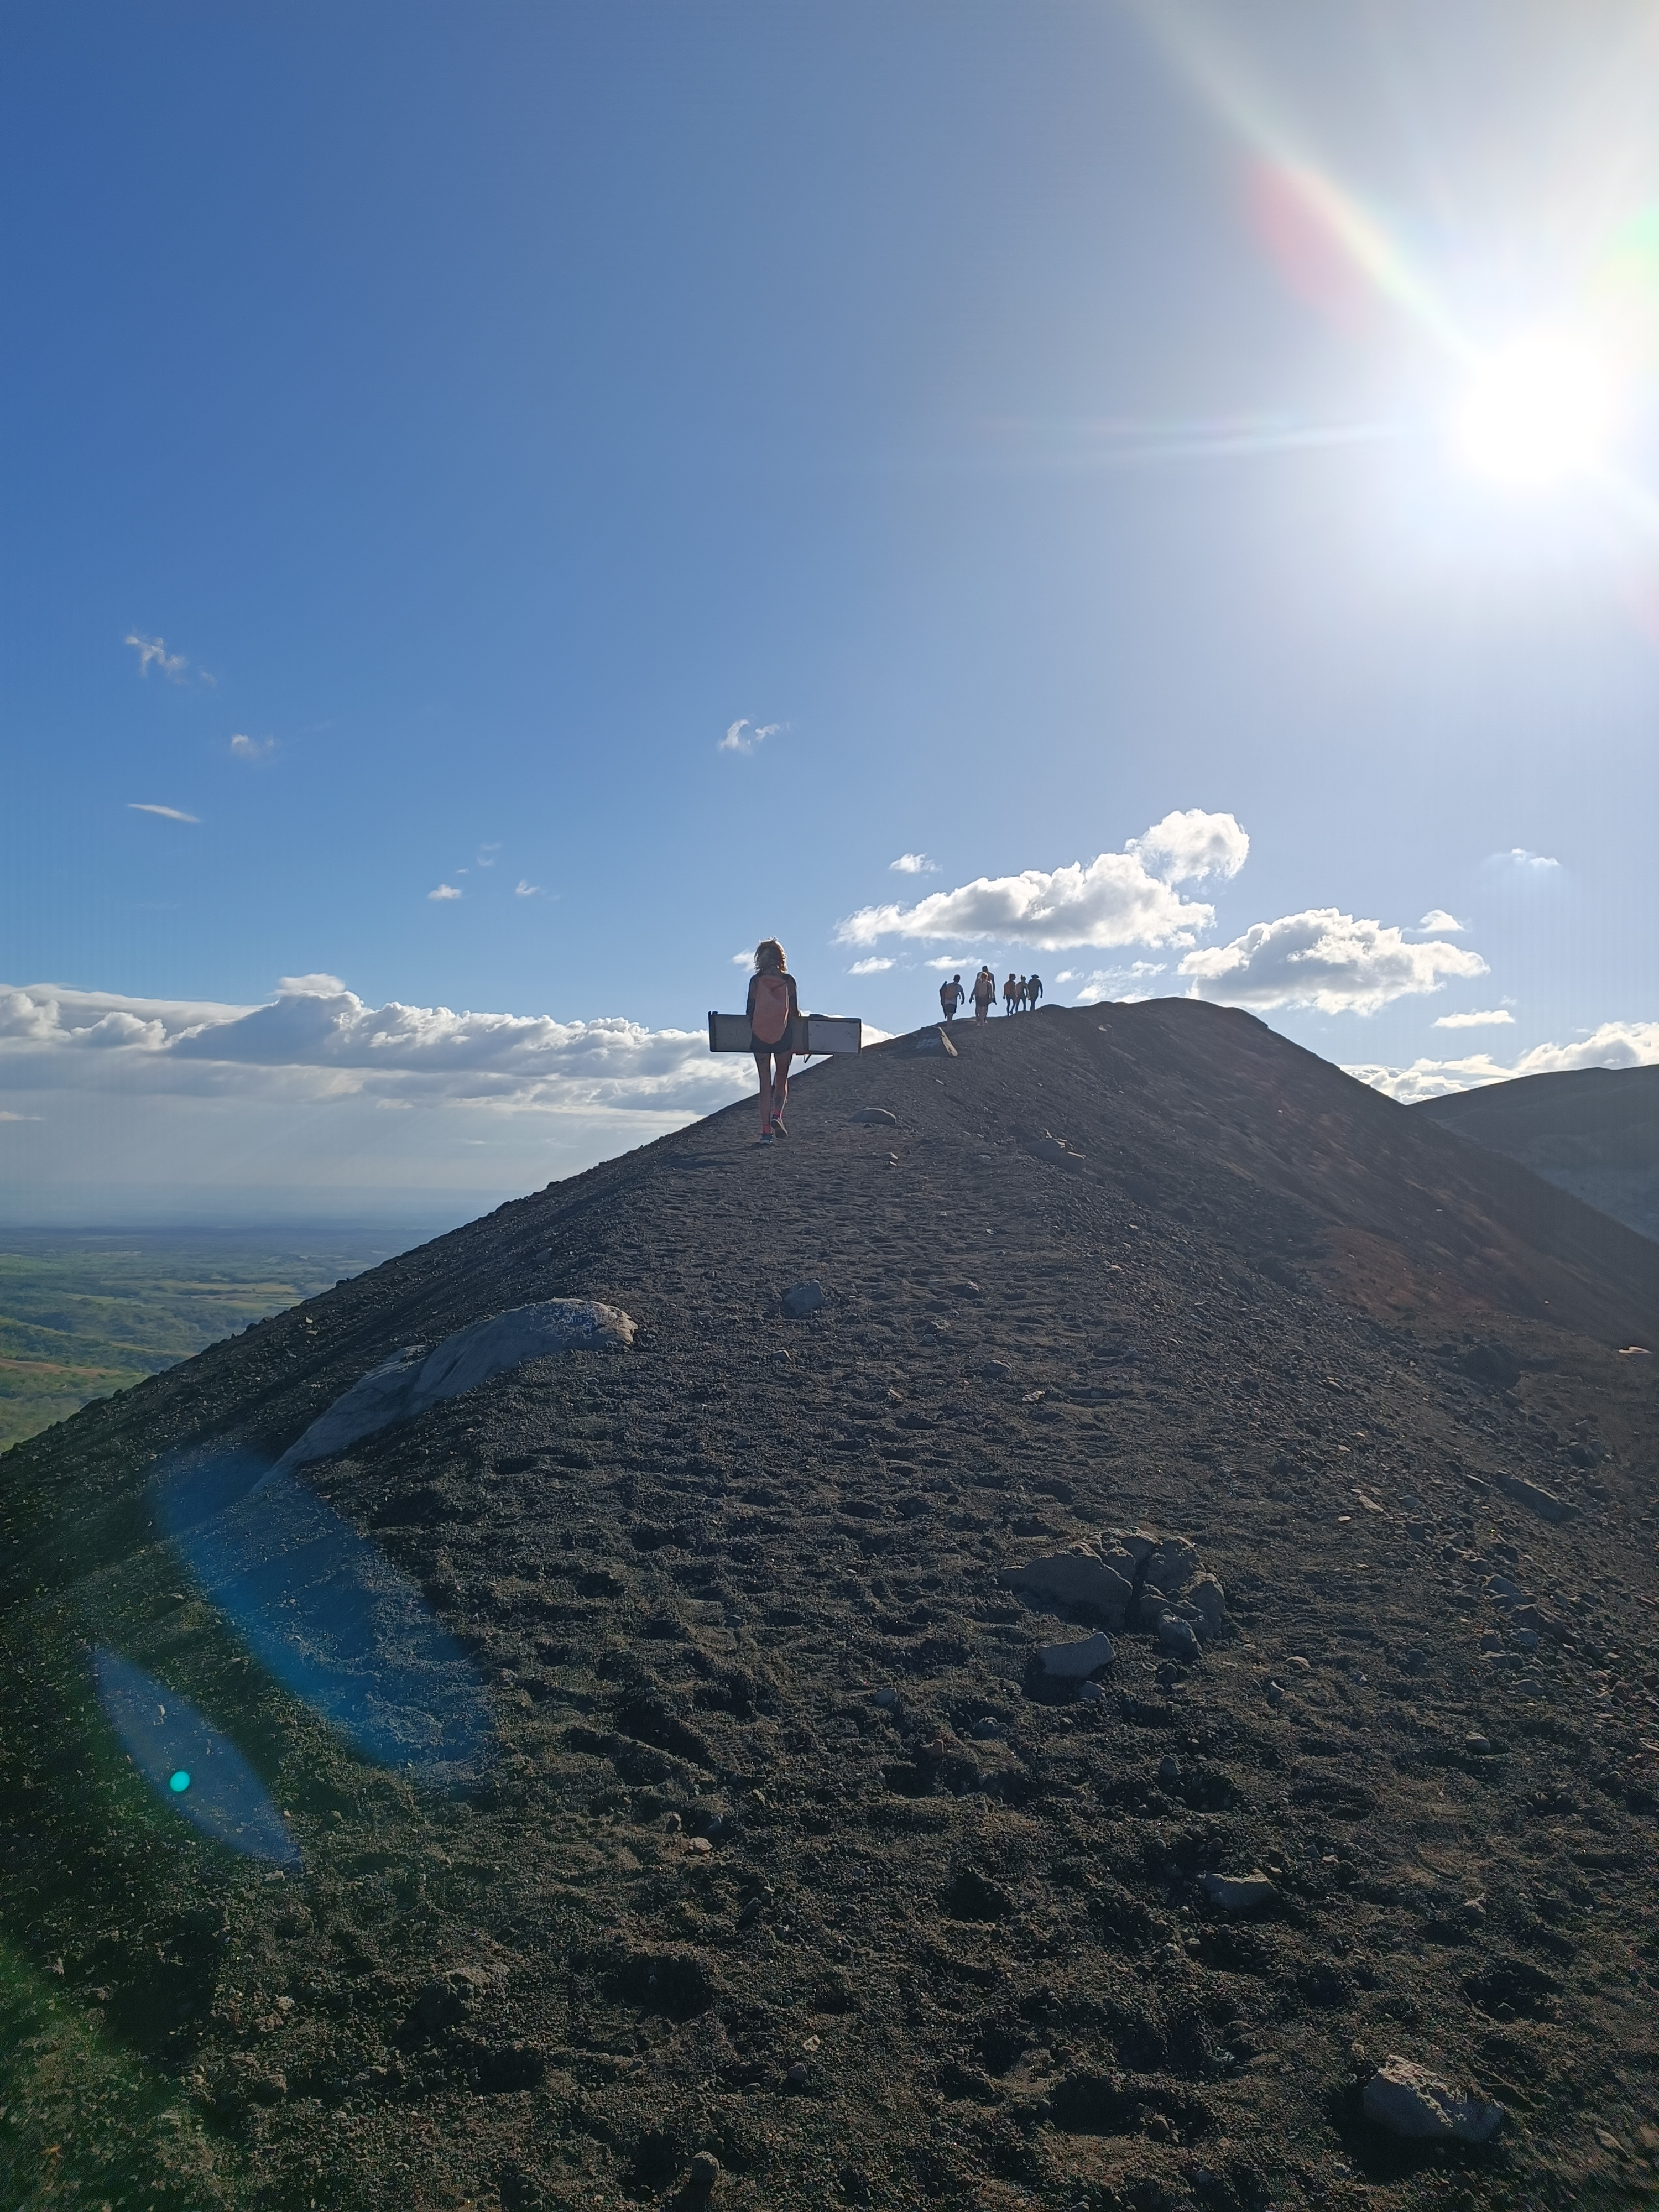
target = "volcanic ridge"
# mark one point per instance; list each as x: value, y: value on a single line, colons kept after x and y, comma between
x: 805, y: 1862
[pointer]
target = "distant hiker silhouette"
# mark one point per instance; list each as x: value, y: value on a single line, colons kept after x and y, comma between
x: 985, y: 991
x: 1033, y: 991
x: 774, y: 1008
x: 951, y: 996
x: 1010, y: 992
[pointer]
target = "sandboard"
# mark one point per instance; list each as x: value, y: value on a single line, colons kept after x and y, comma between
x: 809, y: 1035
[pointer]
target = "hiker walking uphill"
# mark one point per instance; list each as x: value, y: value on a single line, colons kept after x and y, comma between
x: 1033, y: 991
x: 1010, y: 992
x: 985, y: 991
x: 773, y: 1009
x: 951, y: 996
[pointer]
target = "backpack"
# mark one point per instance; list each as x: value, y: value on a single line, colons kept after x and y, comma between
x: 770, y: 1019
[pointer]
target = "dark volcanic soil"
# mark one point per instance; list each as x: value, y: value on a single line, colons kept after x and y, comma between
x: 712, y: 1896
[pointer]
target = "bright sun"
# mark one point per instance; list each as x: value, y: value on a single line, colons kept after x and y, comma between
x: 1540, y: 410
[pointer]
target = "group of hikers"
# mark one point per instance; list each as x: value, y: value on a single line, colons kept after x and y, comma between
x: 1020, y: 994
x: 773, y: 1009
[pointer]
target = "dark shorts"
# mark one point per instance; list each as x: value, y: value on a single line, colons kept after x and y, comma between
x: 782, y: 1050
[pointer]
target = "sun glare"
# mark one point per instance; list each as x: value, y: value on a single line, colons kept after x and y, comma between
x: 1540, y: 410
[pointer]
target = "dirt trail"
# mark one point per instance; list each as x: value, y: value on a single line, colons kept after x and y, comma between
x: 953, y: 1944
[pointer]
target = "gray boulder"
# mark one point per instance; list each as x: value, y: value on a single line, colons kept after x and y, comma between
x: 1238, y: 1892
x: 1069, y: 1663
x: 1207, y: 1597
x: 801, y: 1299
x: 1177, y: 1636
x: 1077, y: 1576
x: 415, y: 1378
x: 1173, y: 1565
x: 1409, y: 2100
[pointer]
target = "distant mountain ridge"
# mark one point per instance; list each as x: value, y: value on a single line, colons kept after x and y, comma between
x: 1594, y: 1132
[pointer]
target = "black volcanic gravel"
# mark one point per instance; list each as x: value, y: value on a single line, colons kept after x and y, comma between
x: 712, y: 1896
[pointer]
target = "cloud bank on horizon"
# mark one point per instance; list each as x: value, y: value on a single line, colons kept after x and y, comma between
x: 318, y: 1041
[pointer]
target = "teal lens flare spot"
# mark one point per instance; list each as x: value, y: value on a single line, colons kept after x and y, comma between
x: 180, y: 1781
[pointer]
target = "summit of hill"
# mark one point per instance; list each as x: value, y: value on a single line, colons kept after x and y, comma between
x: 792, y: 1852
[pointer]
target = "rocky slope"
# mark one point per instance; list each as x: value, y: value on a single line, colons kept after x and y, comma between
x: 793, y: 1873
x: 1594, y: 1132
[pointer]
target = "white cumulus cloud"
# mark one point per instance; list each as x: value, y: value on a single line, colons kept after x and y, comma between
x: 1437, y: 922
x: 1614, y: 1044
x: 167, y: 813
x: 875, y: 965
x: 1118, y: 898
x: 446, y: 890
x: 1493, y: 1018
x: 1325, y: 960
x: 913, y: 863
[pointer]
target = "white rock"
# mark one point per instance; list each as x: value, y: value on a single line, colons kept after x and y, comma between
x: 1067, y: 1661
x: 1238, y: 1892
x: 1409, y: 2100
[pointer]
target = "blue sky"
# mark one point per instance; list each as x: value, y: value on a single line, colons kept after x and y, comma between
x: 431, y: 431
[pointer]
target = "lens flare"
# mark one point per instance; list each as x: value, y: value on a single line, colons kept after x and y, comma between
x: 1539, y: 410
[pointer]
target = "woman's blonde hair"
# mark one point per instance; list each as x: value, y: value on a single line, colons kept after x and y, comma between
x: 769, y: 958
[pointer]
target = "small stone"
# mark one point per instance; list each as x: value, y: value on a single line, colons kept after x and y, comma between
x: 1242, y: 1893
x: 1276, y: 1693
x: 1475, y: 1910
x: 1528, y: 1639
x: 1416, y: 1660
x: 797, y: 2075
x: 1209, y: 1599
x: 983, y: 1730
x: 886, y: 1699
x: 1477, y: 1746
x: 705, y: 2170
x: 1071, y: 1661
x: 1302, y: 1666
x: 1410, y: 2101
x: 873, y: 1116
x: 1090, y: 1693
x: 1173, y: 1565
x: 671, y: 1823
x: 801, y: 1299
x: 702, y: 1845
x: 1177, y: 1636
x: 1169, y: 1768
x: 1491, y: 1640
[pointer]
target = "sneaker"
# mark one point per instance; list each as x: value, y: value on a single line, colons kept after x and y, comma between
x: 777, y: 1124
x: 766, y: 1136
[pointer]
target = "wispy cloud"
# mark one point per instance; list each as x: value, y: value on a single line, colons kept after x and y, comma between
x: 913, y: 863
x: 743, y: 959
x: 1519, y: 857
x: 18, y: 1117
x: 743, y: 737
x: 522, y: 889
x: 1118, y: 898
x: 167, y: 813
x: 1615, y: 1044
x: 252, y: 749
x: 444, y: 891
x: 1325, y: 960
x: 1439, y: 923
x: 1128, y: 981
x: 875, y: 965
x: 153, y: 654
x: 485, y: 856
x: 1495, y: 1018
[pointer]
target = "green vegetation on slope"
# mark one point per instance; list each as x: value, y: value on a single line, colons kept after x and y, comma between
x: 84, y: 1313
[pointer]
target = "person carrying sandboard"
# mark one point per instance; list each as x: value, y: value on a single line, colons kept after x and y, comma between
x: 773, y: 1010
